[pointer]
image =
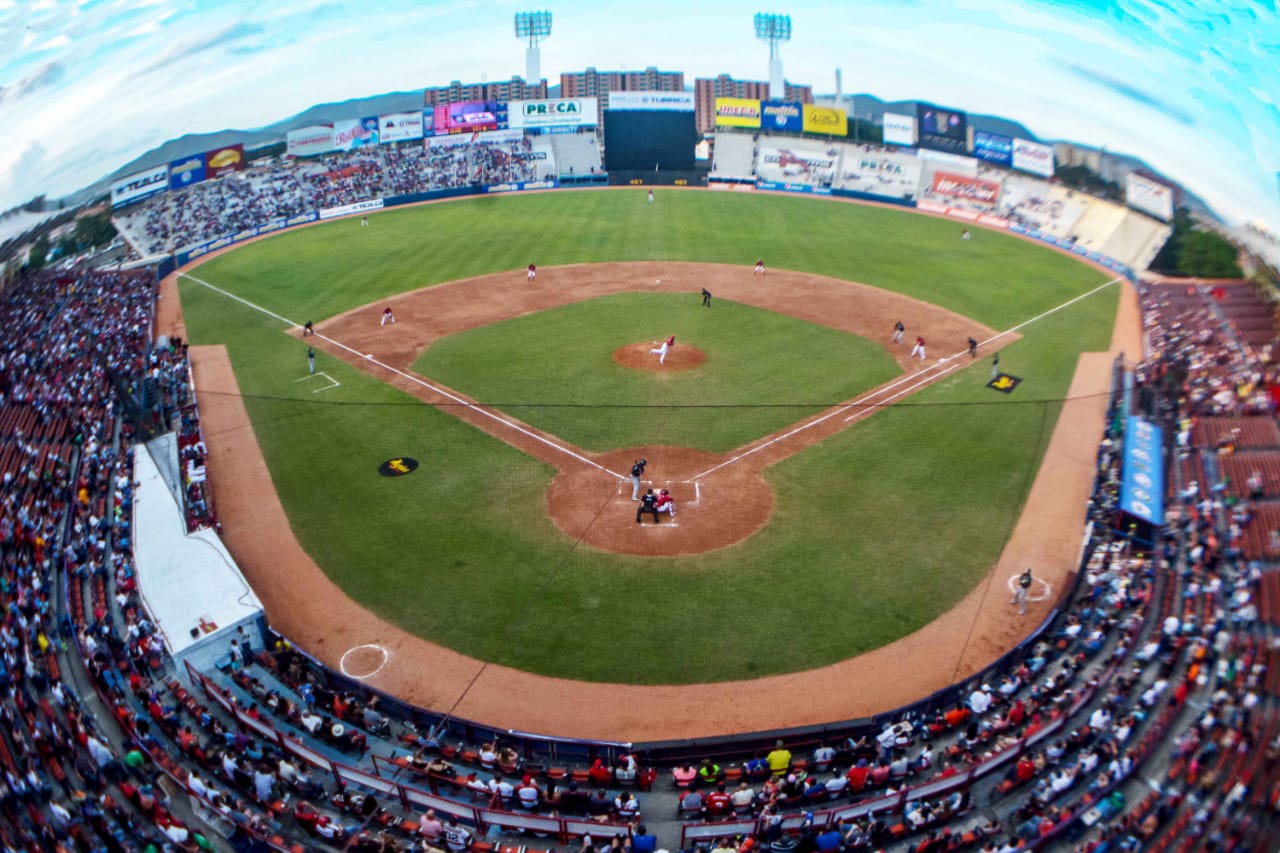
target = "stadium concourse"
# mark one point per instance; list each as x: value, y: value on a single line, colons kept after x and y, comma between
x: 1144, y: 715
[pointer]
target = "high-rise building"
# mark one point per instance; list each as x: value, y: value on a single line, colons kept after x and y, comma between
x: 707, y: 89
x: 598, y: 84
x: 515, y: 89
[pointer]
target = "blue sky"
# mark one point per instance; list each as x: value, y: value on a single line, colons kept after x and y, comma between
x: 1192, y: 87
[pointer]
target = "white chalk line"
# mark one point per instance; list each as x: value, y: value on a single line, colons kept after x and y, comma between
x: 333, y: 383
x: 342, y: 662
x: 415, y: 379
x: 1045, y: 587
x: 927, y: 373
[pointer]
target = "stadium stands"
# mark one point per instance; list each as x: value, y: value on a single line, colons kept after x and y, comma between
x: 1038, y: 204
x: 880, y: 172
x: 577, y: 155
x: 734, y: 157
x: 1161, y: 664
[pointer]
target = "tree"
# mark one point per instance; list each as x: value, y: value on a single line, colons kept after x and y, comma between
x: 95, y: 230
x: 1207, y: 255
x: 39, y: 252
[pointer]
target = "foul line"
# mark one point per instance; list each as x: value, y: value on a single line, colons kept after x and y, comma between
x: 418, y: 380
x: 926, y: 375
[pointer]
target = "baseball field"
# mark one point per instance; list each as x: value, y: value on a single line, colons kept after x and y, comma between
x: 524, y: 404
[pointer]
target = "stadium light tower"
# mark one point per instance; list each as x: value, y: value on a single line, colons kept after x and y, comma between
x: 774, y: 29
x: 534, y: 27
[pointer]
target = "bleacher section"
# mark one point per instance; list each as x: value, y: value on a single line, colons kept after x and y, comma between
x: 576, y: 155
x: 1038, y: 204
x: 734, y: 157
x: 798, y: 161
x: 866, y: 169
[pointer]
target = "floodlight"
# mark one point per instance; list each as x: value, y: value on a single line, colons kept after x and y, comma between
x: 773, y: 28
x: 533, y: 26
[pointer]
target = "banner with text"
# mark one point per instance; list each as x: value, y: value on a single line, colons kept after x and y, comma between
x: 139, y: 185
x: 899, y: 129
x: 1149, y: 196
x: 828, y: 120
x: 782, y: 115
x: 488, y: 137
x: 737, y: 112
x: 1142, y: 474
x: 969, y: 189
x: 394, y: 127
x: 186, y: 172
x: 1033, y: 157
x: 309, y: 141
x: 352, y: 133
x: 942, y: 129
x: 224, y: 161
x: 356, y: 207
x: 553, y: 112
x: 680, y: 102
x: 993, y: 147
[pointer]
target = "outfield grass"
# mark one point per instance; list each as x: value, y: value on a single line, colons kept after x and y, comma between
x: 877, y: 530
x: 554, y: 370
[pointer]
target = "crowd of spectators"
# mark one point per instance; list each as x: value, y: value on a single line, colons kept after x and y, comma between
x: 1163, y: 657
x: 280, y: 189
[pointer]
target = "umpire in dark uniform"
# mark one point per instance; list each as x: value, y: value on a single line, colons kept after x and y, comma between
x: 648, y: 503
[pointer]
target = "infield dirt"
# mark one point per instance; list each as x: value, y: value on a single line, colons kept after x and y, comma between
x: 303, y: 604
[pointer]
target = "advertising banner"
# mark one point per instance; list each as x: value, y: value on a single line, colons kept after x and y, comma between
x: 186, y: 172
x: 942, y: 129
x: 140, y: 185
x: 737, y: 112
x: 993, y: 147
x: 553, y: 113
x: 309, y: 141
x: 969, y: 189
x: 357, y: 207
x: 680, y: 102
x: 782, y: 115
x: 470, y: 116
x: 1033, y: 157
x: 804, y: 167
x: 1151, y: 197
x: 352, y: 133
x: 488, y: 137
x: 828, y: 120
x: 394, y: 127
x: 517, y: 186
x: 224, y: 161
x: 899, y: 129
x: 778, y: 186
x: 1142, y: 475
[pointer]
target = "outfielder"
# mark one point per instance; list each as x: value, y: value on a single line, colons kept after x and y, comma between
x: 661, y: 352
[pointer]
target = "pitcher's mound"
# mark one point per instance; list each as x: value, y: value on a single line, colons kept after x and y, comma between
x: 679, y: 357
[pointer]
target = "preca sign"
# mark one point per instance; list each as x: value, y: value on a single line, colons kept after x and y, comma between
x: 969, y: 189
x: 553, y: 112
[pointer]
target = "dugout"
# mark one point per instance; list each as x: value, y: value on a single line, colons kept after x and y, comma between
x: 189, y: 583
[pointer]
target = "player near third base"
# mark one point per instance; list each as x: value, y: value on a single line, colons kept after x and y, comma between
x: 918, y: 349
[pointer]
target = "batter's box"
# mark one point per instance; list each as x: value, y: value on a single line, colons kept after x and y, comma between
x: 333, y: 383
